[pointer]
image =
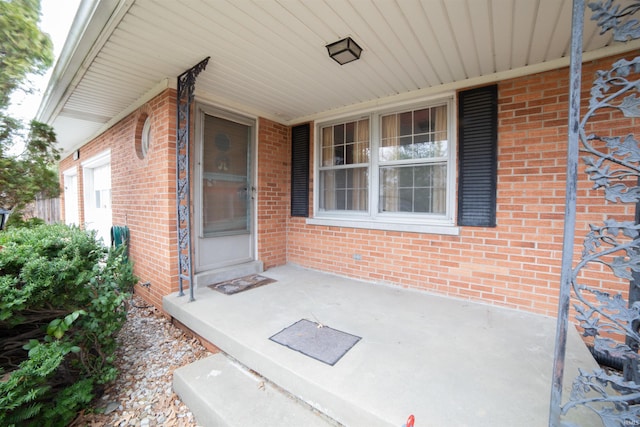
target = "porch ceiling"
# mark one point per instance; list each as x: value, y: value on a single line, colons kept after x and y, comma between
x: 268, y: 57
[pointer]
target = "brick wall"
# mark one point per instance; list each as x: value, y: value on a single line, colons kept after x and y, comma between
x: 143, y: 191
x: 517, y: 263
x: 274, y: 201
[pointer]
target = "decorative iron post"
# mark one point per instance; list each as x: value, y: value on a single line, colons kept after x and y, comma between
x: 613, y: 165
x: 186, y: 87
x: 575, y: 71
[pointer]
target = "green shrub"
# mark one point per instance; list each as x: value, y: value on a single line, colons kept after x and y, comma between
x: 16, y: 220
x: 62, y: 301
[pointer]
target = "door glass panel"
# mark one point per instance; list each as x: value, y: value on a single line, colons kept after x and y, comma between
x: 225, y: 189
x: 97, y: 190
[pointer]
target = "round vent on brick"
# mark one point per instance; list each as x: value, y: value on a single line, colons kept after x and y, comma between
x: 143, y: 135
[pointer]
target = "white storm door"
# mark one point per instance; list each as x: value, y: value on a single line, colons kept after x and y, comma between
x: 223, y: 205
x: 97, y: 197
x: 71, y: 214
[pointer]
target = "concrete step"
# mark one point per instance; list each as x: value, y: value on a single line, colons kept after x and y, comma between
x: 221, y: 392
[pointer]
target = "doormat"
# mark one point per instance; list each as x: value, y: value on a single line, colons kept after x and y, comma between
x: 322, y: 343
x: 233, y: 286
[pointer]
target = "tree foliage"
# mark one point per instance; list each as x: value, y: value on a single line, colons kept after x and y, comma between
x: 24, y: 50
x: 24, y: 176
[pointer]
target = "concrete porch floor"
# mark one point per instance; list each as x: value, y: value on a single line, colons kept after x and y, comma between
x: 449, y: 362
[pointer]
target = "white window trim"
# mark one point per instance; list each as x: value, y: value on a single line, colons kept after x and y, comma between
x: 97, y: 160
x: 88, y: 166
x: 372, y: 219
x: 409, y: 227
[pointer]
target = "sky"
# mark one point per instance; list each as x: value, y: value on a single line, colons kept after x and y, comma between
x: 56, y: 19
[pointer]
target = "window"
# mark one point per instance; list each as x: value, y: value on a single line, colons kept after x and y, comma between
x: 392, y: 166
x: 143, y: 135
x: 146, y: 137
x: 413, y: 161
x: 102, y: 186
x: 344, y: 174
x: 97, y: 195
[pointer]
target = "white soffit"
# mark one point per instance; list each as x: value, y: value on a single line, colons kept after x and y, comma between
x: 268, y: 57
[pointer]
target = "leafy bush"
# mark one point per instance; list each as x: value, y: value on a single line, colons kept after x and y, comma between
x: 62, y: 301
x: 16, y: 220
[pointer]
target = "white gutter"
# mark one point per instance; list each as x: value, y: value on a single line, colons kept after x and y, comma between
x: 92, y: 26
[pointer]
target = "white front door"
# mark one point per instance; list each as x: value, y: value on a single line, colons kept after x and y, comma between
x: 223, y: 205
x: 71, y: 215
x: 97, y: 196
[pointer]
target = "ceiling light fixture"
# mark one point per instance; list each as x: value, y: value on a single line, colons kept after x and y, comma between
x: 344, y: 51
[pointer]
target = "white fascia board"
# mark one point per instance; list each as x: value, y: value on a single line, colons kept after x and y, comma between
x: 92, y: 26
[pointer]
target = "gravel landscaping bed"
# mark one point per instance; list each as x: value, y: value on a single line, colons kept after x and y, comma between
x: 150, y: 348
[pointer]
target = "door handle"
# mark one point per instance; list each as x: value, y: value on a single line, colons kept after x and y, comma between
x: 244, y: 190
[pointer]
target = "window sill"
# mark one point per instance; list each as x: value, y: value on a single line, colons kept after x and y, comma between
x: 450, y: 230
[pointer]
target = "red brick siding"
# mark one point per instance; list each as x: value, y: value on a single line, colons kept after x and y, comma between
x: 274, y: 201
x: 517, y: 263
x: 143, y: 192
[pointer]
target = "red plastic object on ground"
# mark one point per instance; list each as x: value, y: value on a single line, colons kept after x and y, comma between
x: 410, y: 421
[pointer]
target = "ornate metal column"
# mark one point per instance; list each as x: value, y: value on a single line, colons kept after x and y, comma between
x: 613, y: 165
x: 569, y: 212
x: 186, y: 86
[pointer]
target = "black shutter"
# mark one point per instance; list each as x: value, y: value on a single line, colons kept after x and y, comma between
x: 478, y: 156
x: 300, y: 170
